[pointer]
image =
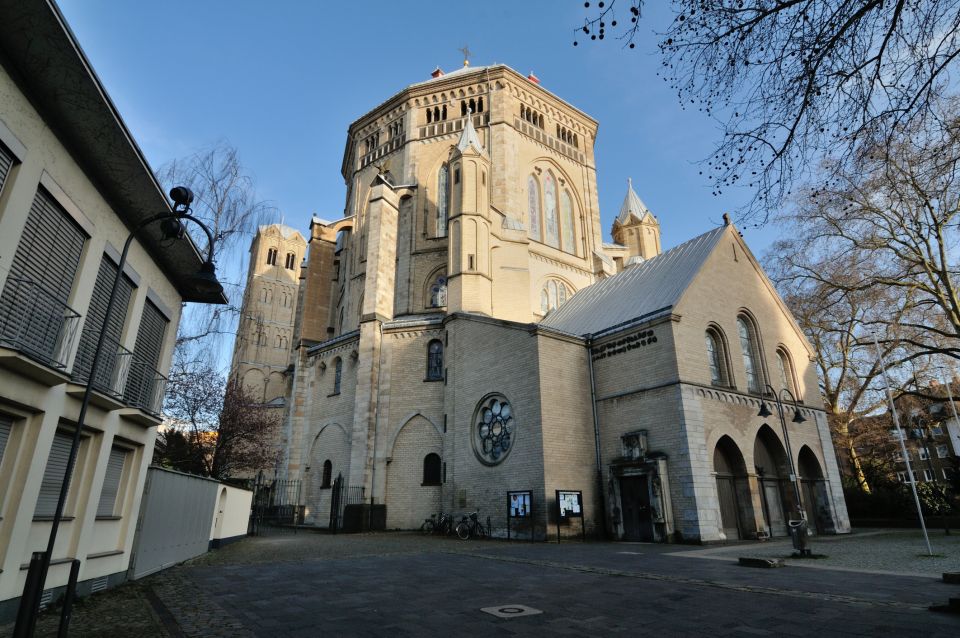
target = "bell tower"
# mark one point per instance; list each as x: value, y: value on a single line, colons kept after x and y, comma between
x: 636, y: 227
x: 469, y: 278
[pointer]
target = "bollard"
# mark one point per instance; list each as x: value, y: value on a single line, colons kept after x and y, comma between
x: 68, y: 596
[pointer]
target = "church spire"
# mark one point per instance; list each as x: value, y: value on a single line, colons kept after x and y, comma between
x: 632, y: 206
x: 469, y: 136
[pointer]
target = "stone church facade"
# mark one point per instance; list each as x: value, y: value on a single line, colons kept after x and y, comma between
x: 464, y: 331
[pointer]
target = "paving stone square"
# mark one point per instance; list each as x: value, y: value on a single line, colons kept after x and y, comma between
x: 312, y: 584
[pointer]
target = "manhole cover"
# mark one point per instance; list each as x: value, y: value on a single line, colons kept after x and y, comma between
x: 511, y: 611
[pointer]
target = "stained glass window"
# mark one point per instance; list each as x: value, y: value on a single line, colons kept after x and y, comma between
x: 494, y: 430
x: 553, y: 295
x: 750, y: 354
x: 552, y: 231
x: 533, y: 207
x: 435, y: 360
x: 438, y: 292
x: 443, y: 180
x: 338, y: 373
x: 715, y: 358
x: 566, y: 222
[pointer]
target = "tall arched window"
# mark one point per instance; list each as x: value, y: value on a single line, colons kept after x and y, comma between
x: 551, y: 229
x: 272, y: 256
x: 337, y: 374
x: 443, y: 190
x: 717, y: 358
x: 785, y: 369
x: 327, y: 474
x: 291, y: 261
x: 435, y: 360
x: 566, y: 222
x: 533, y: 207
x: 751, y: 353
x: 431, y: 469
x: 553, y: 295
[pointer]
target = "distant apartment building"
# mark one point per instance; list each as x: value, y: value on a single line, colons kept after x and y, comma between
x: 72, y: 185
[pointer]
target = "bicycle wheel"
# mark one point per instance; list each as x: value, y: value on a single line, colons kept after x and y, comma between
x: 463, y: 531
x: 427, y: 527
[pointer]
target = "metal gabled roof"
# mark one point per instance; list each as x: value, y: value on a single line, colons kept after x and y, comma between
x: 645, y: 289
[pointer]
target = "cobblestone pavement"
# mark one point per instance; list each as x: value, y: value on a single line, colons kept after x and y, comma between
x: 395, y: 584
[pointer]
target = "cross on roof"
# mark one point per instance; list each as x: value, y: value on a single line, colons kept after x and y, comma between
x: 466, y: 55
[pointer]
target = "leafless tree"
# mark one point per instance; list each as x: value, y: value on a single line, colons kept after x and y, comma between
x: 215, y: 427
x: 226, y: 200
x: 792, y: 81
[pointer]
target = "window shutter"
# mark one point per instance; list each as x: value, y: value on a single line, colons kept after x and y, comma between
x: 6, y: 424
x: 111, y: 482
x: 94, y: 320
x: 6, y: 163
x: 53, y: 475
x: 149, y: 344
x: 50, y: 247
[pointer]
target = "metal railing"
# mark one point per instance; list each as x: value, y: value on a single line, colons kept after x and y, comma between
x: 34, y: 322
x: 145, y: 386
x: 113, y: 370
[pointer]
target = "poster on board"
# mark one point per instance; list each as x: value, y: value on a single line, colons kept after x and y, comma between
x: 518, y: 504
x: 570, y: 503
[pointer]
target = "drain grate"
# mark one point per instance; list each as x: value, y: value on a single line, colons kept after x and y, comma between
x: 510, y: 611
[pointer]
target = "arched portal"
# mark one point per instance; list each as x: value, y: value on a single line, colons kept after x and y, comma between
x: 733, y: 489
x: 815, y: 491
x: 411, y: 497
x: 773, y: 474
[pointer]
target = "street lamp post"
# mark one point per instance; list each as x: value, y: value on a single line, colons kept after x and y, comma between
x: 797, y: 418
x: 204, y: 281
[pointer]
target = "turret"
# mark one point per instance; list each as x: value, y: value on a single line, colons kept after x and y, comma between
x: 636, y: 227
x: 469, y: 277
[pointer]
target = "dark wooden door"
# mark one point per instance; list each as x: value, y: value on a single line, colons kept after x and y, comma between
x: 635, y: 504
x: 729, y: 518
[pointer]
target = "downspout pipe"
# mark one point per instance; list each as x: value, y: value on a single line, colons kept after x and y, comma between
x: 596, y: 439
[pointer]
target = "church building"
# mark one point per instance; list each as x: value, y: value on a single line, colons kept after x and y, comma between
x: 466, y: 338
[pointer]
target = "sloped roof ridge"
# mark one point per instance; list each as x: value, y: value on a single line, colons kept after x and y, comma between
x: 655, y: 284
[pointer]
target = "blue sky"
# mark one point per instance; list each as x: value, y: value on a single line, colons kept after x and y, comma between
x: 282, y: 80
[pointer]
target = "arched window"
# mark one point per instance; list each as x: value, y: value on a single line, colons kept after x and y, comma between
x: 263, y: 295
x: 533, y: 207
x: 438, y: 291
x: 291, y: 261
x: 269, y: 295
x: 551, y: 229
x: 566, y: 222
x: 444, y: 116
x: 429, y: 116
x: 337, y: 374
x: 436, y: 114
x: 463, y: 108
x: 751, y: 353
x: 435, y: 360
x: 553, y: 295
x: 272, y: 256
x: 785, y: 369
x: 473, y: 105
x: 327, y: 474
x: 717, y: 358
x: 443, y: 191
x: 479, y: 105
x: 431, y: 469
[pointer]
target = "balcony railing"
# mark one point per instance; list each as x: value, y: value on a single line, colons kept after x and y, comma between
x: 145, y: 386
x: 37, y: 324
x: 113, y: 370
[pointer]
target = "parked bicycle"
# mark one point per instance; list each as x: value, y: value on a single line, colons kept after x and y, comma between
x: 438, y: 524
x: 470, y: 527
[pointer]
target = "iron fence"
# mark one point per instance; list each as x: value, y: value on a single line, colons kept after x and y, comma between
x: 275, y: 506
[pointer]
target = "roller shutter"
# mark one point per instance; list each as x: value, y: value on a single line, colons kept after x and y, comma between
x: 111, y: 482
x: 53, y: 475
x: 94, y: 320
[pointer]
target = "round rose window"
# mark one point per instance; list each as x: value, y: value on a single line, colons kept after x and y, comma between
x: 494, y: 429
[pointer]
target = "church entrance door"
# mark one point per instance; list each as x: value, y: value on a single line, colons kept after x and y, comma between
x: 635, y: 504
x: 729, y: 509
